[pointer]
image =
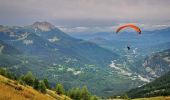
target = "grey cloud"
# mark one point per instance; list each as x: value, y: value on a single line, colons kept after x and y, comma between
x: 85, y: 12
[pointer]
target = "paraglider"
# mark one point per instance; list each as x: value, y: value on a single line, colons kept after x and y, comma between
x: 128, y: 47
x: 132, y: 26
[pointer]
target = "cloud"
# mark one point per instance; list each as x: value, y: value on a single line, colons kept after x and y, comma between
x: 85, y: 13
x: 86, y: 29
x: 75, y: 30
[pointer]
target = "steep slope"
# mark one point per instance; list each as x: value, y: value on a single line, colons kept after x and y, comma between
x: 7, y: 49
x: 8, y: 54
x: 12, y: 90
x: 157, y: 64
x: 159, y: 87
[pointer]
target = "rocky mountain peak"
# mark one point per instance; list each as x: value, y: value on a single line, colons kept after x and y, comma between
x: 44, y: 26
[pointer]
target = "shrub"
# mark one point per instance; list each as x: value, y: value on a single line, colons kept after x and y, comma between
x: 59, y: 89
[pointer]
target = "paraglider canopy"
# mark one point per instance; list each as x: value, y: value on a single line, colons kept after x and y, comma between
x: 134, y: 27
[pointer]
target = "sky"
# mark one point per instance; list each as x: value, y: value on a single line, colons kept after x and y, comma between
x: 81, y: 16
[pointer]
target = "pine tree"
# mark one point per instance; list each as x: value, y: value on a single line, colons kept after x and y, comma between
x: 93, y: 98
x: 70, y: 93
x: 47, y: 84
x: 42, y: 87
x: 59, y: 89
x: 3, y: 72
x: 36, y: 84
x: 85, y: 93
x: 77, y: 94
x: 29, y: 78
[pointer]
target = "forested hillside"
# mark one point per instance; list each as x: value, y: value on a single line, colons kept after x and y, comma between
x: 159, y: 87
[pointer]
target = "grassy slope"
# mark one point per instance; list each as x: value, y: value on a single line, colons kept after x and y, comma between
x: 154, y: 98
x: 151, y: 98
x: 11, y: 90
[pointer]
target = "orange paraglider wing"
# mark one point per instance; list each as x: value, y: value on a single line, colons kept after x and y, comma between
x: 131, y: 26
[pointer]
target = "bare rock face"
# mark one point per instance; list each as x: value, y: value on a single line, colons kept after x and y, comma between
x: 43, y: 26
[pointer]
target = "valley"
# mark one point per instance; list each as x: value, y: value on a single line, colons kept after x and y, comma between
x: 73, y: 61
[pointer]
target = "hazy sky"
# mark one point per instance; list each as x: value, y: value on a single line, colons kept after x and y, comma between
x: 86, y: 15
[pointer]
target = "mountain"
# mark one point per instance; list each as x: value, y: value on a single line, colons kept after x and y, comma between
x: 155, y: 66
x: 159, y: 87
x: 42, y: 38
x: 158, y: 63
x: 50, y: 53
x: 147, y: 42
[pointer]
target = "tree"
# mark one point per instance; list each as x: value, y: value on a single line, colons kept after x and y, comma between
x: 59, y: 89
x: 77, y: 94
x: 6, y: 73
x: 85, y: 93
x: 93, y: 98
x: 125, y: 96
x: 42, y: 87
x: 21, y: 81
x: 29, y: 78
x: 70, y: 93
x: 36, y: 84
x: 47, y: 84
x: 3, y: 72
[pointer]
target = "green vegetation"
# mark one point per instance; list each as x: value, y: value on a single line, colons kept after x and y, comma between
x: 42, y: 87
x: 28, y: 78
x: 47, y: 84
x: 159, y: 87
x: 85, y: 93
x: 59, y: 89
x: 81, y: 94
x: 36, y: 84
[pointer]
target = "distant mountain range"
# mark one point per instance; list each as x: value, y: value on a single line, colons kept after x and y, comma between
x: 147, y: 42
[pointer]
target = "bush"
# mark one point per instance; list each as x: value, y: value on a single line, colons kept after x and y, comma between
x: 36, y: 84
x: 59, y: 89
x: 28, y: 78
x: 42, y: 87
x: 85, y: 93
x: 93, y: 98
x: 47, y: 84
x: 81, y: 94
x: 21, y: 82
